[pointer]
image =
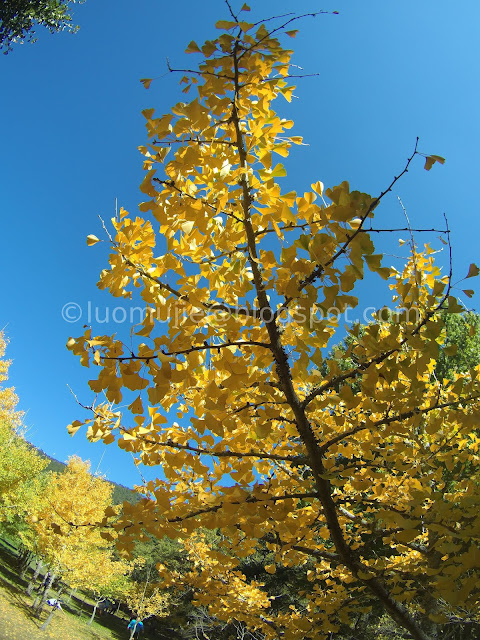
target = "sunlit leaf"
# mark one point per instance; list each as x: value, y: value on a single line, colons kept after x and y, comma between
x: 91, y: 240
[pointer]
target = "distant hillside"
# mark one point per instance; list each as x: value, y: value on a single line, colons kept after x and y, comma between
x: 120, y: 493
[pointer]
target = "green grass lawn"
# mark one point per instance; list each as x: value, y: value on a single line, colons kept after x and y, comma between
x: 17, y: 621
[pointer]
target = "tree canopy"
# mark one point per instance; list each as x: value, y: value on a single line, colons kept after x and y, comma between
x: 461, y: 350
x: 20, y: 461
x: 338, y: 470
x: 20, y: 18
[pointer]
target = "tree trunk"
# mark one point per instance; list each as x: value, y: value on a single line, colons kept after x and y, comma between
x: 45, y: 593
x: 25, y: 561
x: 92, y: 617
x: 24, y: 558
x: 72, y: 591
x: 50, y: 616
x: 34, y: 577
x: 346, y: 554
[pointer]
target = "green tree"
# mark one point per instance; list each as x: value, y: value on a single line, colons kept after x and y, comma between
x: 461, y: 350
x: 20, y: 18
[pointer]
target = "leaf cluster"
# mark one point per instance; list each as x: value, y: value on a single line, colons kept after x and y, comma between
x: 332, y: 462
x: 20, y: 18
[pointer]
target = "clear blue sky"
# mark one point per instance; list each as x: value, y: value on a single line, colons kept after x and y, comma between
x: 71, y: 124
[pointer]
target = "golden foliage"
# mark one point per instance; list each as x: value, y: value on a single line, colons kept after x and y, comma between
x: 366, y: 466
x: 66, y: 527
x: 147, y: 598
x: 19, y: 462
x: 8, y: 398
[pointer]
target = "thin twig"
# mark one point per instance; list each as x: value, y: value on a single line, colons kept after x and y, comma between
x: 412, y: 243
x: 321, y: 268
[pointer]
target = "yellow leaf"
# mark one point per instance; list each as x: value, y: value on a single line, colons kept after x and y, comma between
x: 430, y: 161
x: 148, y: 113
x: 74, y: 427
x: 438, y: 159
x: 146, y: 82
x: 439, y: 618
x: 279, y: 171
x: 473, y: 271
x: 193, y: 48
x: 136, y: 406
x: 225, y: 24
x: 270, y: 568
x: 407, y: 535
x: 453, y: 306
x: 91, y: 240
x: 374, y: 261
x: 451, y: 350
x: 187, y: 227
x: 363, y: 575
x: 106, y: 536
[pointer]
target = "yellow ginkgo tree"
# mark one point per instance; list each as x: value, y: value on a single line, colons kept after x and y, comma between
x: 8, y: 398
x: 63, y: 535
x: 20, y: 463
x: 341, y: 467
x: 146, y: 598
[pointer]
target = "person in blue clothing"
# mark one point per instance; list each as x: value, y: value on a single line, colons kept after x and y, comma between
x: 136, y: 626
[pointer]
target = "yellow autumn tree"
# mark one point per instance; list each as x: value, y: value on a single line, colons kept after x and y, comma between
x: 97, y: 572
x: 65, y: 535
x: 19, y: 462
x: 147, y: 597
x: 346, y: 467
x: 8, y: 398
x: 214, y: 577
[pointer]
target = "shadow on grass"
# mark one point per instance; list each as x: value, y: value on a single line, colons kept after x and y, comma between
x: 116, y: 627
x: 16, y: 593
x: 114, y: 624
x: 15, y: 585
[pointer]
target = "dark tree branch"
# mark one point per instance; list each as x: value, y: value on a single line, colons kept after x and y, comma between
x: 321, y: 268
x: 172, y: 185
x: 195, y: 140
x: 324, y: 488
x: 363, y: 366
x: 204, y: 347
x: 399, y: 417
x: 282, y: 26
x: 198, y: 73
x: 210, y: 306
x: 170, y: 444
x: 249, y: 500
